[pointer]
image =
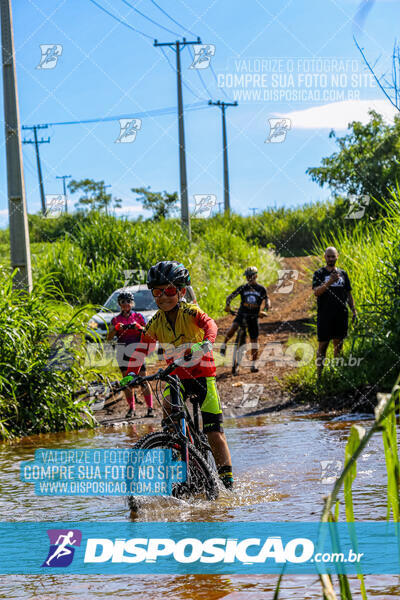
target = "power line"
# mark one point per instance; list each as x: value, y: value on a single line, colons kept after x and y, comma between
x: 187, y: 86
x: 223, y: 106
x: 178, y: 46
x: 144, y: 34
x: 172, y: 18
x: 216, y: 80
x: 199, y: 74
x: 148, y: 113
x: 120, y: 20
x: 149, y: 18
x: 64, y: 177
x: 36, y: 143
x: 191, y: 32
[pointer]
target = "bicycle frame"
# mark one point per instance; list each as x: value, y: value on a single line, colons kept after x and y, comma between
x: 240, y: 337
x: 178, y: 409
x: 187, y: 429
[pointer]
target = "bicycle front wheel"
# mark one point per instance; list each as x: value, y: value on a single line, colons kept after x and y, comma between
x: 202, y: 479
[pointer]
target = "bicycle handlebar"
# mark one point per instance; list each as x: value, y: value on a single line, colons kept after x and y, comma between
x: 121, y: 327
x: 161, y: 374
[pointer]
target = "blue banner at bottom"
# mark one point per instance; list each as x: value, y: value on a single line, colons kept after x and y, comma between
x: 202, y: 548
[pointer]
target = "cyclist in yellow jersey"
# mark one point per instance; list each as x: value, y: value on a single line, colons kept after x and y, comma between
x: 181, y: 327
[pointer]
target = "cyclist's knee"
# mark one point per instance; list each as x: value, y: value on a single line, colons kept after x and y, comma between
x: 216, y: 436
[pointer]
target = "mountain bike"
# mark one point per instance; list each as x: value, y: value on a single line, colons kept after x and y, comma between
x: 239, y: 347
x: 181, y: 433
x: 97, y: 394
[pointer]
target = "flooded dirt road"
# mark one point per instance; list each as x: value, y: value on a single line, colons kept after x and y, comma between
x: 284, y: 465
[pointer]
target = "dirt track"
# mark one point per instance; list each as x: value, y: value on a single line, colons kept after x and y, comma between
x: 288, y: 317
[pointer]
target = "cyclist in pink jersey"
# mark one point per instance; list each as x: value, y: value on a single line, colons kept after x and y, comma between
x: 128, y: 326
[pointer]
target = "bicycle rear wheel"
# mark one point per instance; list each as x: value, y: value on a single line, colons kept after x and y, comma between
x: 202, y: 480
x: 238, y: 350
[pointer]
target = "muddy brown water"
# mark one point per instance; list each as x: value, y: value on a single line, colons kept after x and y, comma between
x: 277, y: 461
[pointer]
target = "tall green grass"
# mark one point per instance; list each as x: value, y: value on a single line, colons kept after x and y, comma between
x: 90, y: 265
x: 42, y: 362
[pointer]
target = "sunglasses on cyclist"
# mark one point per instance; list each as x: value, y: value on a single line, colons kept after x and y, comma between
x: 169, y: 291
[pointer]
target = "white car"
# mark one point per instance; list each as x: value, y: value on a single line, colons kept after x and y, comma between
x: 144, y: 303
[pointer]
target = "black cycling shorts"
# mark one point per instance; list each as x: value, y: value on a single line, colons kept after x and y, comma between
x: 252, y: 324
x: 332, y: 326
x: 203, y: 391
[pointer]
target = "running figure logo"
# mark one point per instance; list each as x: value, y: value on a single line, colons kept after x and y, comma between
x: 278, y: 130
x: 202, y: 56
x: 62, y: 542
x: 55, y: 205
x: 286, y: 279
x: 251, y: 395
x: 357, y: 206
x: 50, y: 55
x: 129, y: 129
x: 204, y: 203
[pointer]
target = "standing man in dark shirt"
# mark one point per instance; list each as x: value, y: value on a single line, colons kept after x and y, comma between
x: 253, y: 298
x: 333, y: 291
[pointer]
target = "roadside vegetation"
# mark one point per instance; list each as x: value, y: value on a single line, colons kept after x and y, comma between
x: 42, y: 363
x: 370, y: 252
x: 80, y: 258
x: 371, y: 257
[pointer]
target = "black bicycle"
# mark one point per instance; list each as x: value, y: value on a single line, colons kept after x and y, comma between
x: 102, y: 395
x: 239, y: 347
x: 181, y: 433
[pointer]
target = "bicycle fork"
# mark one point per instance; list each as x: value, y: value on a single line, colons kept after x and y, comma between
x: 176, y: 406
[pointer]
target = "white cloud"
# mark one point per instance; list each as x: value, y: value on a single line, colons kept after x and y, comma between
x: 133, y: 208
x: 337, y: 115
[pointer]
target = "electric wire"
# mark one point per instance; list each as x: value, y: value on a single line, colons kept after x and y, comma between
x: 120, y: 20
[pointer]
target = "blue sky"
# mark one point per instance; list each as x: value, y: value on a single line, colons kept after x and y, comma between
x: 261, y: 47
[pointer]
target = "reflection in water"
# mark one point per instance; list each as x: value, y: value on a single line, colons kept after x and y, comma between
x: 184, y: 587
x: 280, y: 477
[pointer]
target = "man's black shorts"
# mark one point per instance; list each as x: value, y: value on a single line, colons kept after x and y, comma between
x: 252, y: 324
x: 332, y: 326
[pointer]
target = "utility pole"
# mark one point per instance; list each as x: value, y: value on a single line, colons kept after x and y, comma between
x: 37, y: 142
x: 254, y: 211
x: 64, y: 177
x: 185, y: 216
x: 18, y: 219
x: 223, y: 106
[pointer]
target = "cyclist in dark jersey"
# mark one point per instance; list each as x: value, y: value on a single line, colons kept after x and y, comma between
x: 253, y: 298
x: 333, y: 291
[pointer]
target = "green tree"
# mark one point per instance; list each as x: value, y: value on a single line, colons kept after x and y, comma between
x: 161, y: 204
x: 94, y: 195
x: 367, y: 162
